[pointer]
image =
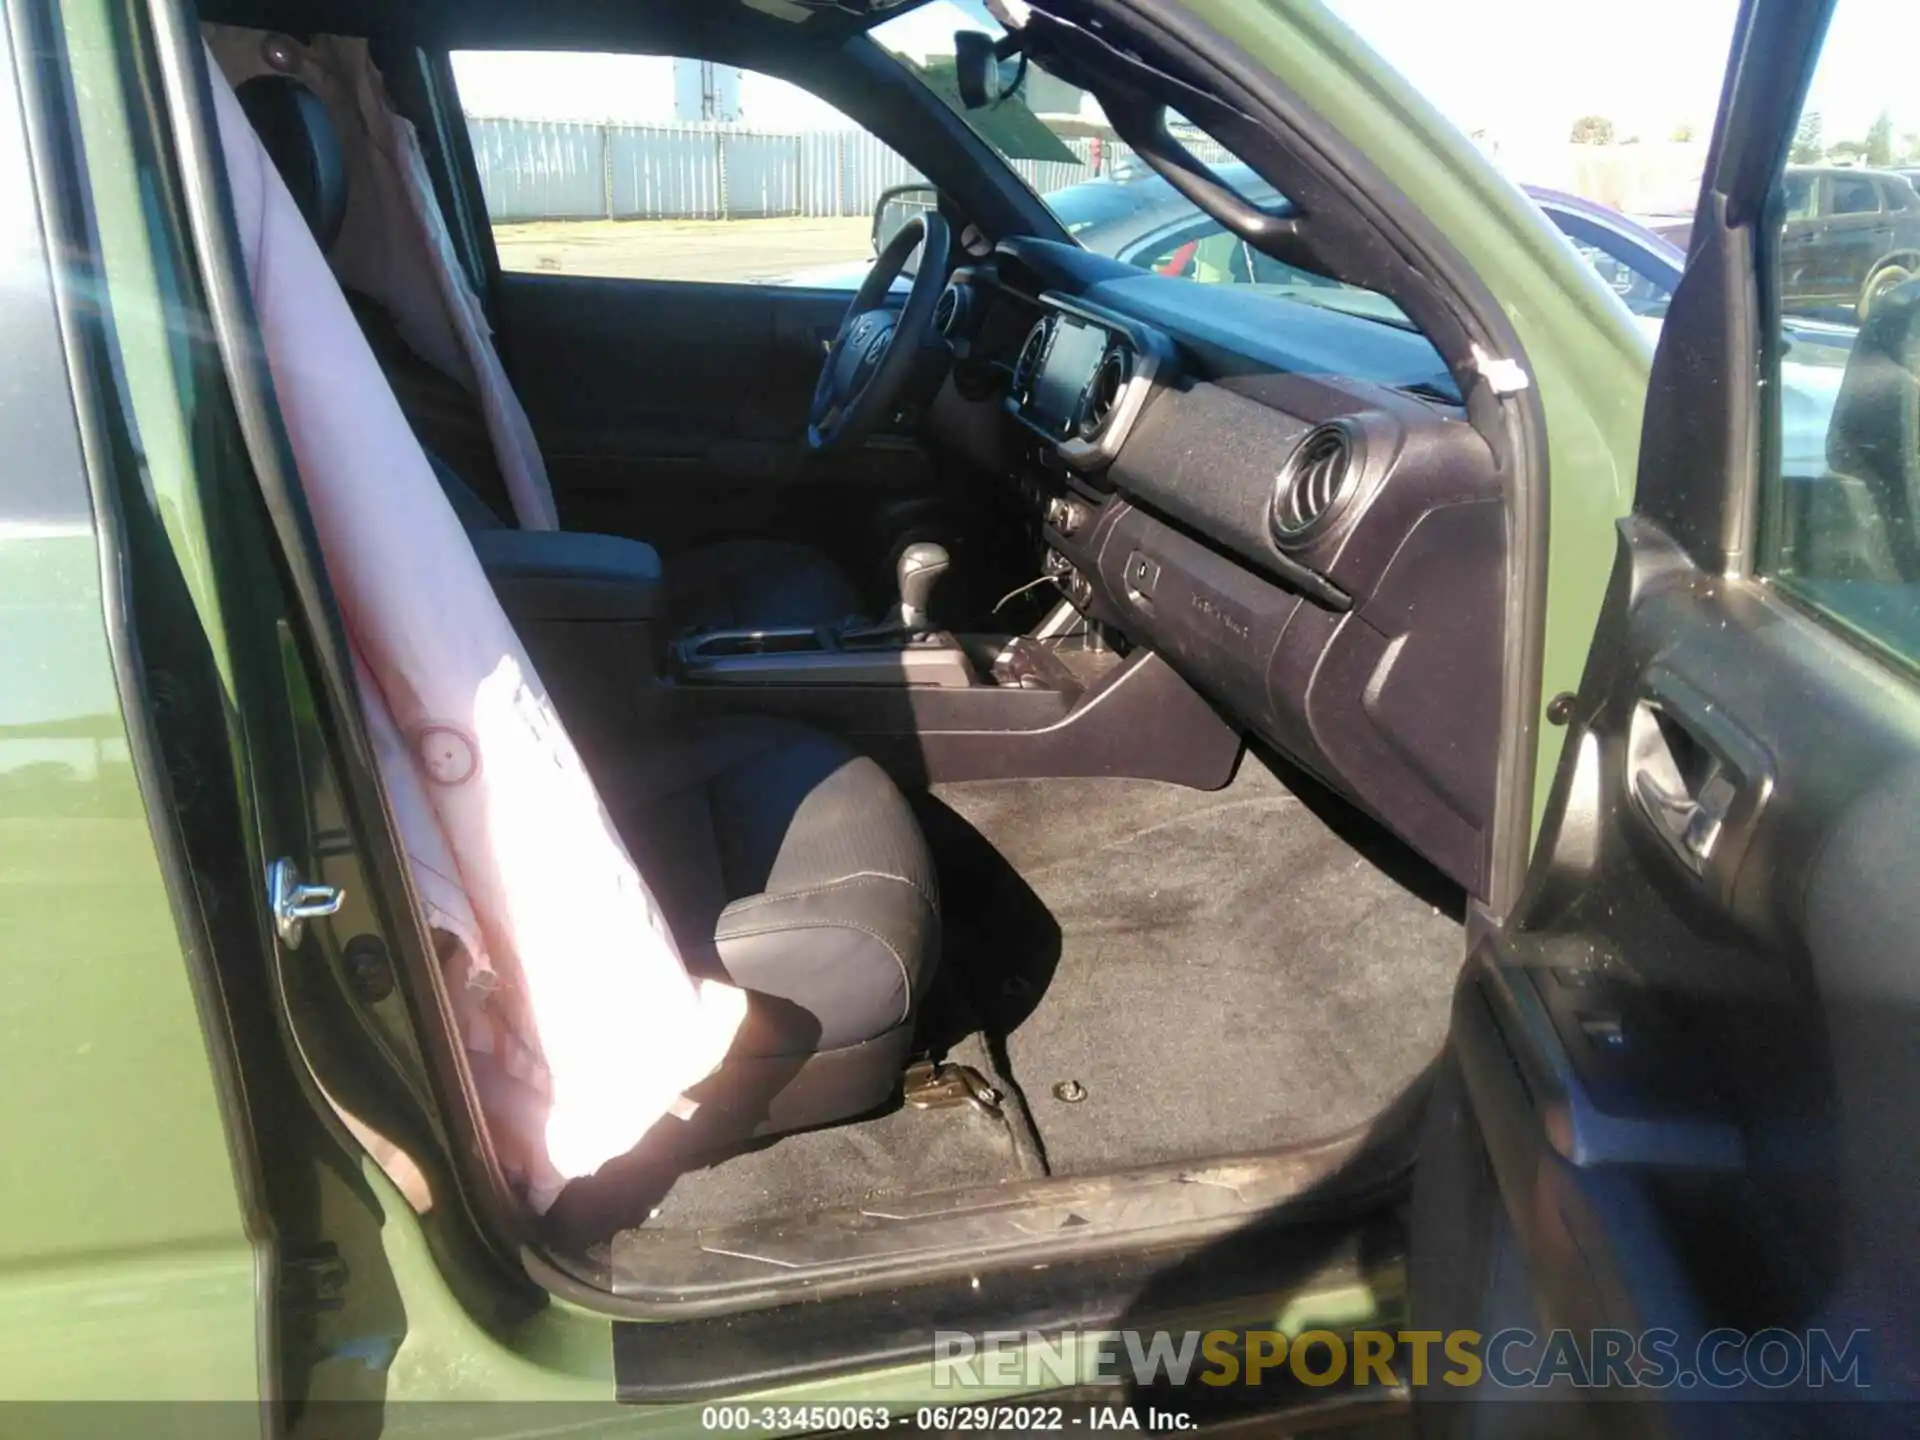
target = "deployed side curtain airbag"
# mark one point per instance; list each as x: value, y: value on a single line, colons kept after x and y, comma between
x: 394, y: 244
x: 581, y: 1023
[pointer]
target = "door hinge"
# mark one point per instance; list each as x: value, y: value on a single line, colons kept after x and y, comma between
x: 294, y: 902
x: 1503, y: 376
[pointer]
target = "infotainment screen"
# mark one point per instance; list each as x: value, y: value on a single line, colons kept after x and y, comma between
x: 1071, y: 360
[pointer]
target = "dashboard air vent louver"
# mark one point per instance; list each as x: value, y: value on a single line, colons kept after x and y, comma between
x: 1033, y: 350
x: 1109, y: 383
x: 948, y: 310
x: 1314, y: 483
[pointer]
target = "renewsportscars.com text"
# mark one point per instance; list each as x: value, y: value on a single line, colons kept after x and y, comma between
x: 1512, y: 1359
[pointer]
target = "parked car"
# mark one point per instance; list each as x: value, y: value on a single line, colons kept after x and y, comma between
x: 1643, y: 269
x: 1851, y: 236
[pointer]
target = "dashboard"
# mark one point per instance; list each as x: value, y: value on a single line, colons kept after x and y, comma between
x: 1287, y: 502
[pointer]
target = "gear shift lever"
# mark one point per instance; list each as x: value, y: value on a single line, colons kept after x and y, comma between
x: 920, y: 568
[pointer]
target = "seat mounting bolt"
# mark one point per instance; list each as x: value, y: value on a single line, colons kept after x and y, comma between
x: 1071, y: 1091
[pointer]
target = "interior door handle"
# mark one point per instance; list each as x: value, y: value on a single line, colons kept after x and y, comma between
x: 1689, y: 821
x: 1698, y: 781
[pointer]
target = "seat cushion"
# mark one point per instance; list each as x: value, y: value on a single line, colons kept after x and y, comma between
x: 764, y: 583
x: 788, y: 863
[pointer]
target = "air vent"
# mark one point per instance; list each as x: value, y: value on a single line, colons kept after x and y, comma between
x: 1109, y: 383
x: 1032, y: 351
x: 1314, y: 483
x: 950, y: 310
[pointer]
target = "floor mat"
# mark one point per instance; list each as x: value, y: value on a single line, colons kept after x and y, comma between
x: 1176, y: 974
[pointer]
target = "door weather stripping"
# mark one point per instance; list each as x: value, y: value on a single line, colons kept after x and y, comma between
x: 1504, y: 377
x: 294, y: 902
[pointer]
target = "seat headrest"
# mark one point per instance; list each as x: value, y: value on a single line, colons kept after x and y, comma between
x: 294, y: 127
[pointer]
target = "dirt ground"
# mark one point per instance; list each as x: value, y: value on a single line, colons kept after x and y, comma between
x: 736, y: 250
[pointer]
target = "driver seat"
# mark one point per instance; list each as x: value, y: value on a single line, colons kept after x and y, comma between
x: 731, y: 584
x: 731, y: 924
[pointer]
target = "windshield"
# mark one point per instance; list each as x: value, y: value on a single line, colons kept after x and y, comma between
x: 1056, y: 138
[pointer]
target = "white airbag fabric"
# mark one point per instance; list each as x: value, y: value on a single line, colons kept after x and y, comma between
x: 394, y: 246
x: 582, y: 1025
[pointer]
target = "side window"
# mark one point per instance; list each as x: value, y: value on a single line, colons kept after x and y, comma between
x: 1207, y: 253
x: 1840, y: 526
x: 1801, y: 193
x: 1643, y: 294
x: 1855, y: 195
x: 661, y: 168
x: 1201, y: 251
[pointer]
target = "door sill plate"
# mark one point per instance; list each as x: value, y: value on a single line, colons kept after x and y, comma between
x: 729, y: 1267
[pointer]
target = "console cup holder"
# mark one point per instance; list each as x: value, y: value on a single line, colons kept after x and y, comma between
x: 723, y: 644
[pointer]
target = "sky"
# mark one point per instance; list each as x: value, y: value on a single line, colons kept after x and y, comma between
x: 638, y: 89
x: 1520, y: 70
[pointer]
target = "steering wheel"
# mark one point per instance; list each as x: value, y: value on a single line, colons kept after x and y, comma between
x: 872, y: 353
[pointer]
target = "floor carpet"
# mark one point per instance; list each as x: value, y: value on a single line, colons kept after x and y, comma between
x: 1153, y: 973
x: 1176, y: 974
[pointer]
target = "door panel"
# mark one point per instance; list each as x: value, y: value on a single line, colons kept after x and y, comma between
x: 1682, y: 1076
x: 676, y: 412
x: 1696, y: 1081
x: 666, y: 285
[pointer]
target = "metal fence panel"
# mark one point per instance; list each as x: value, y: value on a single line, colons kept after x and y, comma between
x: 541, y: 170
x: 762, y: 174
x: 869, y: 168
x: 665, y: 172
x: 547, y: 170
x: 822, y: 161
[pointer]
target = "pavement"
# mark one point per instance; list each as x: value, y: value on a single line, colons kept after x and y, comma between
x: 742, y: 251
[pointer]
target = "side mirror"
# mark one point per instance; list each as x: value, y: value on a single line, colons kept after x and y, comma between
x: 896, y: 207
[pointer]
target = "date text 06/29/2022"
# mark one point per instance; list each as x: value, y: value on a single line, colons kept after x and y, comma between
x: 1016, y: 1419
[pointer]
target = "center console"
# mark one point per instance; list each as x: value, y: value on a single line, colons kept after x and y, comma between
x: 902, y: 648
x: 823, y: 656
x: 1060, y: 700
x: 929, y: 704
x: 587, y: 607
x: 944, y: 707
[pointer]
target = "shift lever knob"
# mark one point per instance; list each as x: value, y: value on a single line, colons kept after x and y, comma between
x: 920, y: 568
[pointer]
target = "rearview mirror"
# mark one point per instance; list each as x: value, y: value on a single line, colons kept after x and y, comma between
x: 896, y: 207
x: 981, y: 73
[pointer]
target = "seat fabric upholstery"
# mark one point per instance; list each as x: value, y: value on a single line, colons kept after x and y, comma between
x: 792, y: 866
x: 729, y: 585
